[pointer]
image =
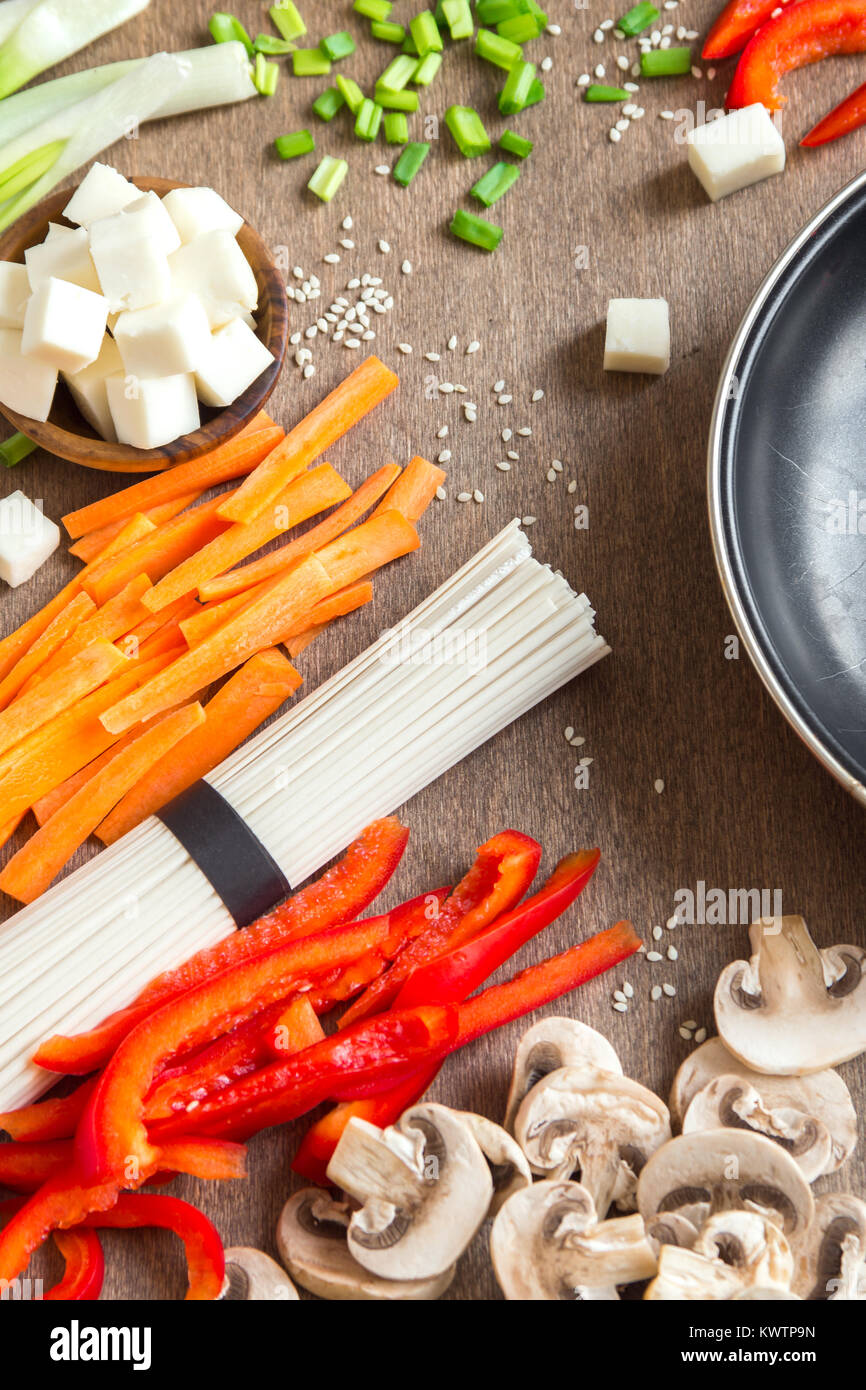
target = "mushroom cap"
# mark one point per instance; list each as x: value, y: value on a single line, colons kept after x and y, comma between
x: 593, y: 1120
x: 731, y: 1103
x: 831, y: 1252
x: 509, y: 1169
x: 719, y: 1169
x: 671, y: 1228
x: 253, y: 1277
x: 552, y: 1043
x: 311, y: 1237
x: 547, y: 1245
x: 792, y: 1009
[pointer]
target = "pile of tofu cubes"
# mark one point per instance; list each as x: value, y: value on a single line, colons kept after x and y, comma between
x: 144, y: 307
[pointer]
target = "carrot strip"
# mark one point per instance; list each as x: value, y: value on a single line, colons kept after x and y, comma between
x: 34, y: 868
x: 209, y: 616
x: 414, y: 490
x: 363, y: 389
x: 157, y: 554
x: 336, y: 605
x: 77, y: 678
x: 231, y: 460
x: 8, y: 830
x: 94, y: 542
x: 334, y: 525
x: 309, y: 494
x: 246, y: 700
x: 131, y: 641
x: 369, y: 546
x: 168, y: 639
x: 132, y: 530
x: 296, y: 645
x: 108, y: 623
x: 56, y: 633
x: 14, y: 646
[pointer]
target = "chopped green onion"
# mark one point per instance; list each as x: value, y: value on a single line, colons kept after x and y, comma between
x: 467, y: 130
x: 666, y: 62
x: 458, y: 16
x: 425, y: 32
x: 395, y: 101
x: 368, y: 120
x: 275, y: 48
x: 518, y: 84
x: 494, y: 49
x: 224, y: 28
x: 396, y: 127
x: 494, y: 11
x: 637, y: 19
x: 373, y: 9
x: 53, y: 30
x: 491, y: 186
x: 398, y: 73
x: 427, y: 69
x: 328, y: 177
x: 386, y: 32
x: 298, y: 143
x: 476, y: 230
x: 310, y: 62
x: 410, y: 46
x: 328, y: 103
x: 535, y: 9
x: 16, y: 448
x: 515, y: 144
x: 285, y: 17
x: 265, y: 76
x: 338, y: 46
x: 596, y: 92
x: 350, y: 92
x: 521, y: 29
x: 410, y: 162
x: 537, y: 93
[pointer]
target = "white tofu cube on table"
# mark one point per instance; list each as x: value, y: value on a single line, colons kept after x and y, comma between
x: 26, y: 384
x: 14, y: 294
x: 165, y: 340
x: 27, y: 538
x: 130, y: 251
x: 101, y: 193
x: 88, y: 388
x: 65, y: 257
x: 195, y: 211
x: 64, y: 325
x: 735, y: 150
x: 150, y: 413
x: 234, y: 359
x: 638, y: 336
x: 56, y: 229
x: 215, y: 268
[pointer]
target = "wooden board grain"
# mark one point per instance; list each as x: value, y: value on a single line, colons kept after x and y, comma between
x: 744, y: 805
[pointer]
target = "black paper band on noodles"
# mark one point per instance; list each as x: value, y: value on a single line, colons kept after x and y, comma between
x: 231, y: 857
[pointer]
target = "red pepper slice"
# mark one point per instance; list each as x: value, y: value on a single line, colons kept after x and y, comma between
x: 85, y: 1267
x: 61, y: 1202
x: 205, y: 1256
x: 736, y: 25
x: 54, y: 1118
x: 25, y: 1167
x: 849, y: 115
x: 803, y: 33
x: 343, y: 892
x: 502, y: 872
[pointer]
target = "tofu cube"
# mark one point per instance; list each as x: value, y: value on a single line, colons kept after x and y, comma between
x: 150, y: 413
x: 14, y: 294
x: 736, y: 150
x: 165, y: 340
x: 638, y: 336
x: 101, y: 193
x: 26, y: 385
x: 215, y: 268
x: 27, y: 538
x: 88, y: 389
x: 66, y: 257
x: 195, y: 211
x: 64, y: 325
x: 234, y: 359
x: 56, y: 229
x: 148, y: 218
x: 133, y: 274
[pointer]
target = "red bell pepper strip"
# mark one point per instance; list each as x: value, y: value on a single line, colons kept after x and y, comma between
x: 61, y: 1202
x: 502, y: 872
x: 25, y: 1167
x: 341, y: 893
x: 205, y: 1256
x: 736, y: 25
x: 85, y: 1267
x: 54, y: 1118
x: 849, y: 115
x: 804, y: 33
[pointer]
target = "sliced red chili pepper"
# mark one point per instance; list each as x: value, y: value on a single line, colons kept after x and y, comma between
x: 736, y: 25
x: 205, y: 1256
x: 54, y: 1118
x: 804, y: 33
x: 341, y: 893
x: 849, y: 115
x: 502, y: 872
x: 85, y: 1266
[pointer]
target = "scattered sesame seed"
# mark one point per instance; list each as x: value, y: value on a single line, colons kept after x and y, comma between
x: 528, y: 520
x: 504, y: 466
x: 348, y: 224
x: 309, y: 371
x: 382, y: 169
x: 631, y: 87
x: 657, y: 933
x: 506, y: 435
x: 445, y: 456
x: 620, y: 1008
x: 606, y: 24
x: 622, y: 125
x: 584, y: 80
x: 599, y: 72
x: 656, y: 992
x: 464, y: 497
x: 672, y: 923
x: 618, y: 34
x: 536, y: 396
x: 629, y: 108
x: 447, y: 387
x: 404, y: 347
x: 628, y: 990
x: 347, y: 243
x: 635, y: 69
x: 669, y: 990
x: 696, y: 72
x: 332, y: 258
x: 572, y: 487
x: 295, y: 338
x: 578, y: 741
x: 551, y: 476
x: 598, y: 36
x: 665, y: 43
x: 685, y: 1034
x: 654, y: 955
x: 499, y: 385
x: 691, y: 34
x: 554, y: 29
x: 667, y: 29
x: 478, y: 495
x: 524, y: 430
x: 655, y: 38
x: 623, y: 63
x: 512, y: 454
x: 432, y: 356
x: 569, y: 733
x: 546, y: 64
x: 690, y: 1023
x: 442, y: 433
x: 472, y: 347
x: 673, y: 953
x: 666, y: 115
x: 441, y: 494
x: 701, y: 1035
x: 406, y: 267
x: 384, y: 247
x: 659, y: 785
x: 352, y: 343
x: 619, y: 996
x: 311, y: 331
x: 671, y: 4
x: 638, y: 113
x: 452, y: 342
x: 711, y: 72
x: 504, y: 400
x: 368, y: 336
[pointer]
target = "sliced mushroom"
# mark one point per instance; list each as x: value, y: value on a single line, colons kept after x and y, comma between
x: 605, y: 1126
x: 831, y: 1254
x: 792, y: 1009
x: 508, y: 1166
x: 424, y: 1188
x: 671, y: 1228
x: 731, y: 1103
x: 725, y: 1169
x: 253, y: 1277
x: 311, y: 1237
x: 735, y: 1251
x: 546, y: 1244
x: 550, y: 1044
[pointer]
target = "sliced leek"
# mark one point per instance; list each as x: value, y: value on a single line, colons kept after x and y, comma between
x: 55, y: 29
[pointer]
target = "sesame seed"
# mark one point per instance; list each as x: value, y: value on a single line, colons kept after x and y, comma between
x: 353, y: 284
x: 546, y: 64
x: 622, y: 63
x: 464, y: 497
x: 472, y: 347
x: 614, y: 135
x: 619, y: 996
x: 659, y: 785
x: 690, y: 1023
x: 478, y: 495
x: 368, y: 336
x: 696, y: 72
x: 584, y: 80
x: 432, y: 356
x: 672, y: 923
x: 536, y: 396
x: 673, y: 953
x: 667, y: 29
x: 684, y: 1033
x: 691, y: 34
x: 572, y: 487
x: 655, y: 38
x: 298, y: 273
x: 631, y: 86
x: 665, y: 43
x: 441, y: 494
x: 635, y: 69
x: 606, y: 24
x: 628, y: 990
x: 711, y: 72
x: 524, y: 430
x: 347, y: 244
x: 382, y: 169
x: 348, y: 224
x: 622, y: 125
x: 499, y: 385
x: 654, y: 955
x: 445, y: 456
x: 578, y: 741
x: 551, y: 476
x: 295, y: 338
x: 452, y: 342
x: 442, y: 433
x: 528, y: 520
x: 657, y: 933
x: 447, y: 387
x: 554, y: 29
x: 512, y: 454
x: 504, y: 466
x: 569, y: 733
x: 598, y: 36
x: 311, y: 331
x: 599, y: 72
x: 618, y: 34
x: 669, y: 990
x: 620, y: 1008
x: 384, y: 247
x: 332, y: 258
x: 404, y: 347
x: 406, y: 267
x: 666, y: 115
x: 656, y: 992
x: 309, y: 371
x: 701, y: 1035
x: 352, y: 343
x: 504, y: 400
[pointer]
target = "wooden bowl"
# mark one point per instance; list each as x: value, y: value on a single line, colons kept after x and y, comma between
x: 66, y: 432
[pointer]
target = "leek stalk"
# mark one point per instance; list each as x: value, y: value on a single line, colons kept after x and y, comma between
x: 55, y: 29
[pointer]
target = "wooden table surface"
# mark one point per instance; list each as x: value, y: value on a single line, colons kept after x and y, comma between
x: 744, y: 804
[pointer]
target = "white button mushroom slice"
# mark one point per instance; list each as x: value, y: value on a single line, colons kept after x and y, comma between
x: 831, y: 1253
x: 311, y: 1238
x: 508, y: 1166
x: 14, y: 294
x: 101, y: 193
x: 725, y: 1169
x: 215, y: 268
x: 424, y: 1188
x: 27, y: 538
x: 586, y: 1119
x: 792, y: 1009
x: 148, y: 414
x: 88, y: 388
x: 195, y: 211
x: 66, y: 257
x: 671, y: 1228
x: 550, y: 1044
x: 735, y: 1251
x: 64, y: 325
x: 253, y: 1277
x: 26, y: 385
x: 547, y: 1244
